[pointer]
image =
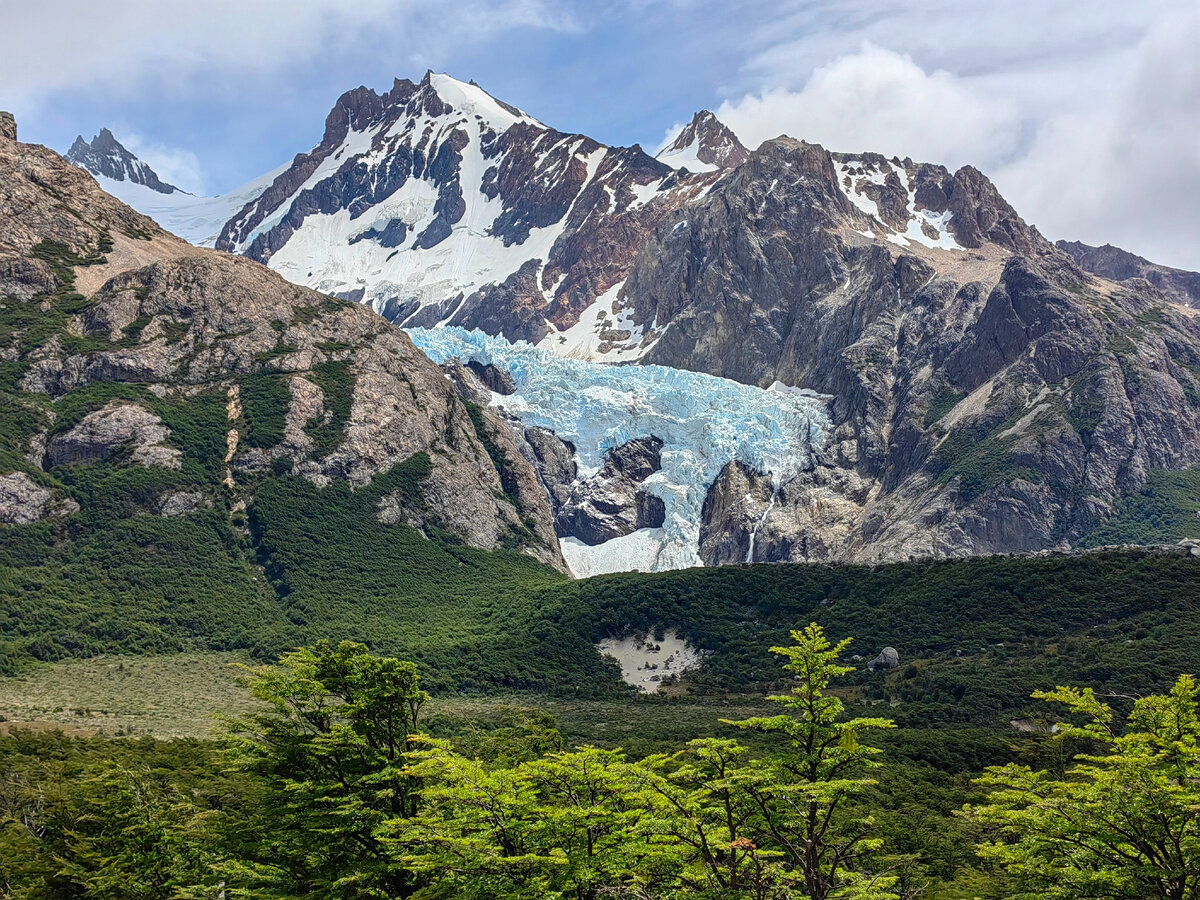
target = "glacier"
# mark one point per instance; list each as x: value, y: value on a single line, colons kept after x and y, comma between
x: 703, y: 421
x: 198, y: 220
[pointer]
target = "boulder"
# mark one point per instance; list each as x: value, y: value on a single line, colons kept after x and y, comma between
x: 24, y: 501
x: 888, y: 658
x: 103, y: 432
x: 179, y: 503
x: 611, y: 504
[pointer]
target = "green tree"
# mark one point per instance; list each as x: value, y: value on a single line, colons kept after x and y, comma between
x: 702, y: 805
x: 1124, y: 822
x: 708, y: 821
x: 136, y: 837
x: 564, y: 825
x: 803, y: 805
x: 333, y: 750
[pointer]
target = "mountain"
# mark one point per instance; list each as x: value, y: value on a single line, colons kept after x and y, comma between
x: 197, y: 220
x: 704, y: 145
x: 1115, y: 264
x: 988, y: 396
x: 177, y: 423
x: 983, y: 393
x: 106, y: 157
x: 435, y: 203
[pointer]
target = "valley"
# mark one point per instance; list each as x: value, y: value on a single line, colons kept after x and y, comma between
x: 985, y: 390
x: 467, y: 508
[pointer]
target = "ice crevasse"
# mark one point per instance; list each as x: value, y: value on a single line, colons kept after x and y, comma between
x: 703, y: 421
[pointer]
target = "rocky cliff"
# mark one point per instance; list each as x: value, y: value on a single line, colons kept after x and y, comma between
x: 124, y: 346
x: 989, y: 395
x: 1116, y: 264
x: 104, y: 156
x: 989, y: 391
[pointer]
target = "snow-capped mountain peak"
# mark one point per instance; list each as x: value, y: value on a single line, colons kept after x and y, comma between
x: 435, y: 202
x: 106, y: 156
x: 469, y: 98
x: 195, y: 219
x: 705, y: 144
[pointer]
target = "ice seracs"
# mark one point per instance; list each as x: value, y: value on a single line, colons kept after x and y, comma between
x: 703, y: 421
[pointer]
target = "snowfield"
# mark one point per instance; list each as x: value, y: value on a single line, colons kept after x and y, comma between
x: 703, y: 421
x: 198, y: 220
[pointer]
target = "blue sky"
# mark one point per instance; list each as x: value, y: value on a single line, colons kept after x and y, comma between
x: 1086, y: 114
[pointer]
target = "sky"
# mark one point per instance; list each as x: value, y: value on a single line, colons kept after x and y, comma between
x: 1086, y: 113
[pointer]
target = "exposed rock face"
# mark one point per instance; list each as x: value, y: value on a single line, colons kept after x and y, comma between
x: 733, y: 512
x: 106, y: 156
x: 467, y: 384
x: 23, y: 501
x: 610, y: 503
x: 119, y: 426
x: 637, y: 460
x: 992, y: 399
x: 1116, y: 264
x: 888, y: 658
x: 494, y: 378
x: 767, y: 279
x: 555, y: 462
x: 184, y: 322
x: 707, y: 141
x: 8, y: 127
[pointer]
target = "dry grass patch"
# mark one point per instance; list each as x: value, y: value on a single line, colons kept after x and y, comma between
x: 177, y: 695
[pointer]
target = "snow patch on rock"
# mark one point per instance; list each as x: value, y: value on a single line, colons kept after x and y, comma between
x: 646, y: 662
x: 637, y: 552
x: 605, y: 332
x: 856, y: 175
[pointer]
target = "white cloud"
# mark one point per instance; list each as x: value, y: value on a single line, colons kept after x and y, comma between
x: 1125, y: 170
x: 56, y: 45
x: 1087, y: 119
x: 880, y: 100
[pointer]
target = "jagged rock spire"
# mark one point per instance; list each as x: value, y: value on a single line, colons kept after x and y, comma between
x: 106, y: 156
x: 705, y: 140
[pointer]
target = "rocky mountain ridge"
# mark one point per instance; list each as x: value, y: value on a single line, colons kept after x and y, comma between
x: 1116, y: 264
x: 987, y: 393
x: 126, y: 348
x: 105, y: 156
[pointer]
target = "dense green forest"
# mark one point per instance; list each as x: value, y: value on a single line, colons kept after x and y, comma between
x: 975, y: 636
x: 340, y: 787
x: 888, y: 759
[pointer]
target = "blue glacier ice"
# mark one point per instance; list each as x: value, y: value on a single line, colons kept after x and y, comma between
x: 703, y: 421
